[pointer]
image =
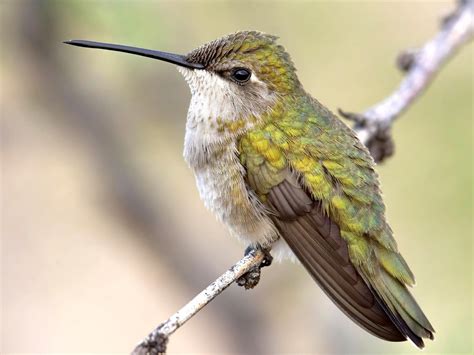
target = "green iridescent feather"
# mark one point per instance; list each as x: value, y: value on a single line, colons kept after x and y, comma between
x: 338, y: 171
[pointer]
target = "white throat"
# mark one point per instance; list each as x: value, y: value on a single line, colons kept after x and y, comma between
x: 215, y: 103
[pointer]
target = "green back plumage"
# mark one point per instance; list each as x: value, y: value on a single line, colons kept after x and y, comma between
x: 300, y: 136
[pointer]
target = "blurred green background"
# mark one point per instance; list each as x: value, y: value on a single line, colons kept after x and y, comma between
x: 104, y: 235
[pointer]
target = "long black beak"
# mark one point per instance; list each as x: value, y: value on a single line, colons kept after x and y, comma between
x: 166, y: 57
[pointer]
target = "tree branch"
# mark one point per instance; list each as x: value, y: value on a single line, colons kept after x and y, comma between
x: 373, y: 126
x: 156, y: 341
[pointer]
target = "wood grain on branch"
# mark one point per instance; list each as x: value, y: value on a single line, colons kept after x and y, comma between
x: 373, y: 128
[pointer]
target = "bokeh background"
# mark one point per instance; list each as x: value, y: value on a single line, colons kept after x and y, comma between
x: 103, y: 232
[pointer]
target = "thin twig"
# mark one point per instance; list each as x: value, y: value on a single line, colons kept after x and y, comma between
x: 156, y: 341
x: 373, y: 126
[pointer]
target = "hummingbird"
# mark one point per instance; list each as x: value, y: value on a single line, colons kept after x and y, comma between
x: 281, y: 171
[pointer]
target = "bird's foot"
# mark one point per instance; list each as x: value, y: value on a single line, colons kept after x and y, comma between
x: 252, y: 277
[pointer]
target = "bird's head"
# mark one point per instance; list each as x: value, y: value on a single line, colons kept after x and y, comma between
x: 244, y: 73
x: 237, y: 77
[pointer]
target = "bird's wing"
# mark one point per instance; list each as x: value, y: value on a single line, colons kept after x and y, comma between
x: 316, y: 241
x: 328, y: 209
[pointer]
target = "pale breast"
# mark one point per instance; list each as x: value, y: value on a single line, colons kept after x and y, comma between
x: 212, y: 155
x: 219, y: 178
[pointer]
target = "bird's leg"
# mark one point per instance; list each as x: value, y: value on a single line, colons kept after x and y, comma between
x: 252, y: 277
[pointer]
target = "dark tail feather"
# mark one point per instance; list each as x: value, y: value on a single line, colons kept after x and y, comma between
x: 399, y: 323
x: 400, y: 306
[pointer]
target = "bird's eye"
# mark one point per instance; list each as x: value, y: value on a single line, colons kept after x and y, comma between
x: 241, y: 75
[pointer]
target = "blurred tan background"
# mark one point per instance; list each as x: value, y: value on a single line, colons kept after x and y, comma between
x: 103, y: 232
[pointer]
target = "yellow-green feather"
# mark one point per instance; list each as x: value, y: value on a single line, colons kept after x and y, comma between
x: 338, y: 171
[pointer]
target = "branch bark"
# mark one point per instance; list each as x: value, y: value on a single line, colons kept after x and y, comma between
x: 374, y: 125
x: 156, y: 341
x: 373, y: 128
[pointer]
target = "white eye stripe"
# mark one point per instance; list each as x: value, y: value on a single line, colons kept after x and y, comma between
x: 255, y: 79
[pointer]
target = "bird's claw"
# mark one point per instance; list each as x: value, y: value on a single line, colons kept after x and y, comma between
x: 251, y: 278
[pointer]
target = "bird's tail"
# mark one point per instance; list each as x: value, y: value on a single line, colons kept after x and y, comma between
x: 401, y: 307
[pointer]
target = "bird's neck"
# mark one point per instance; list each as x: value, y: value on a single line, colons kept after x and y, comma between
x: 212, y: 128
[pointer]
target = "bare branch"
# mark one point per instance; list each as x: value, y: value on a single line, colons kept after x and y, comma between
x: 156, y: 341
x: 373, y: 126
